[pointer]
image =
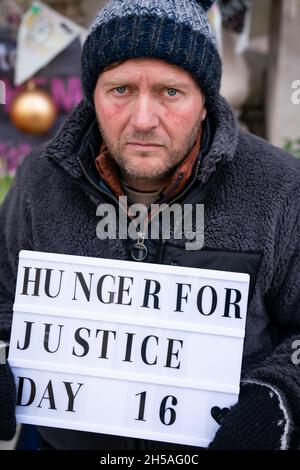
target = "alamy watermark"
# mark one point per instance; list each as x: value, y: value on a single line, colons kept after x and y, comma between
x: 177, y: 222
x: 296, y: 353
x: 3, y: 352
x: 2, y: 92
x: 296, y: 93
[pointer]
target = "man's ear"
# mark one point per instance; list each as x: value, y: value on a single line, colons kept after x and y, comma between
x: 204, y: 113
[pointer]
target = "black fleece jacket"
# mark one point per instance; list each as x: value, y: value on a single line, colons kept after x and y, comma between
x: 251, y: 192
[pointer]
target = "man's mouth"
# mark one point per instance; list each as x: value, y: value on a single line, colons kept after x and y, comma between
x: 144, y: 145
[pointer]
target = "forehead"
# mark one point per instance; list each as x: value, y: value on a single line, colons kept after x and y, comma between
x: 155, y: 69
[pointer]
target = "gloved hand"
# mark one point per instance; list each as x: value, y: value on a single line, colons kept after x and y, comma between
x: 7, y: 403
x: 258, y: 421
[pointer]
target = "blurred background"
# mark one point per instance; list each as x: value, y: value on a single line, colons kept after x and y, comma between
x: 40, y: 47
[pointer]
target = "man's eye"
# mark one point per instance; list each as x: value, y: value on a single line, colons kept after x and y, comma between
x: 171, y: 92
x: 120, y: 90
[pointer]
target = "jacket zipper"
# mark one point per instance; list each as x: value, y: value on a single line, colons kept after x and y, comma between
x: 140, y: 246
x: 162, y: 240
x: 100, y: 190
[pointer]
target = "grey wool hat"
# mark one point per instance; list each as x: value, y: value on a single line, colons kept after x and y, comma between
x: 177, y: 31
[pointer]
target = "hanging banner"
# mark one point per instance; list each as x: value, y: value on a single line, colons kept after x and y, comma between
x: 124, y: 348
x: 43, y: 34
x: 243, y: 39
x: 215, y: 18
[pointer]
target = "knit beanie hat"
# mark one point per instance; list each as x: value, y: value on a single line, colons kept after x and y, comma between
x: 177, y: 31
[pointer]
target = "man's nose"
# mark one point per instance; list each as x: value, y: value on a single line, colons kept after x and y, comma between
x: 144, y: 114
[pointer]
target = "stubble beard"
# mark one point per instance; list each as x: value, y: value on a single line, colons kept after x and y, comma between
x: 155, y: 172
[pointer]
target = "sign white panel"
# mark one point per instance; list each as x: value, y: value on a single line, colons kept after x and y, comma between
x: 126, y: 348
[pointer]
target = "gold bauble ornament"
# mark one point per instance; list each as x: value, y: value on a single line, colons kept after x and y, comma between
x: 33, y: 111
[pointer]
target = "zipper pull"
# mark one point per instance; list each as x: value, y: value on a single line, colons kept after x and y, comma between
x: 139, y: 251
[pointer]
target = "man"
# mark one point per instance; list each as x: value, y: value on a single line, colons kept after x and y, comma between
x: 154, y: 128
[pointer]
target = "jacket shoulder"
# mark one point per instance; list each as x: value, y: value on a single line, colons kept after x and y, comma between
x: 34, y: 160
x: 273, y: 165
x: 37, y: 169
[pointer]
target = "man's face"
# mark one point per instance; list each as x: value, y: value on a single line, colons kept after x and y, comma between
x: 149, y: 113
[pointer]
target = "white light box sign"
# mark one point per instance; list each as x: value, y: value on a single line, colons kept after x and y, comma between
x: 125, y: 348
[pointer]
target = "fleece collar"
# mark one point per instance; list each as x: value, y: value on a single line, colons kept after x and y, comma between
x: 77, y: 138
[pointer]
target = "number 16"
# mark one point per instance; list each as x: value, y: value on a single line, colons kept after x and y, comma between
x: 162, y: 411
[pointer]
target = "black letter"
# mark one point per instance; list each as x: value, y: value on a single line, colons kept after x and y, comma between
x: 50, y: 396
x: 128, y: 347
x: 47, y: 283
x: 82, y: 342
x: 237, y: 309
x: 170, y: 353
x: 147, y: 293
x: 213, y: 302
x: 144, y: 348
x: 99, y: 290
x: 122, y: 290
x: 46, y: 337
x: 20, y: 391
x: 27, y: 336
x: 86, y: 290
x: 36, y: 281
x: 180, y: 297
x: 105, y: 342
x: 71, y: 395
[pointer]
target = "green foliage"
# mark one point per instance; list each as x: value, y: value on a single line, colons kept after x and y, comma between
x: 293, y: 147
x: 5, y: 183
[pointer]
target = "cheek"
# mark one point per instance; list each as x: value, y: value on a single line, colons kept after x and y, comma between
x: 112, y: 118
x: 106, y: 113
x: 185, y: 113
x: 180, y: 123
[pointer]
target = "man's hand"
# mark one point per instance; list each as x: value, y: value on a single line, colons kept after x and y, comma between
x: 7, y: 399
x: 258, y: 421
